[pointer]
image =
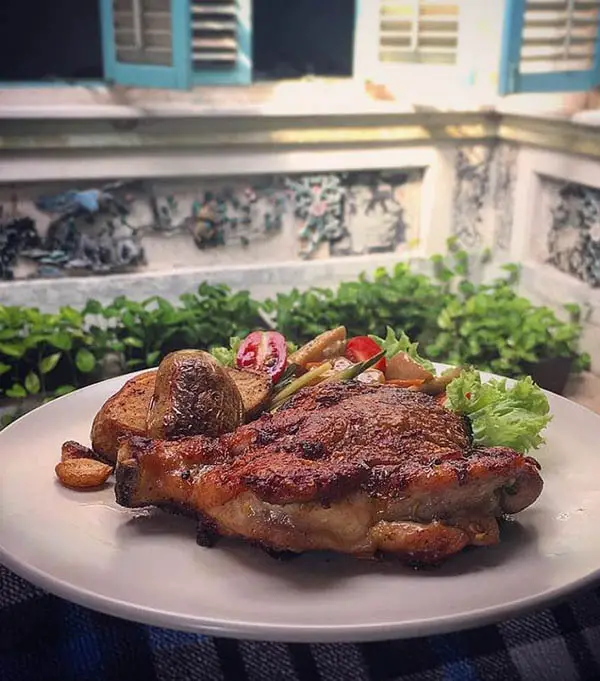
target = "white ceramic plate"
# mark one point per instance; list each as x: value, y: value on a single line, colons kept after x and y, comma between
x: 146, y: 566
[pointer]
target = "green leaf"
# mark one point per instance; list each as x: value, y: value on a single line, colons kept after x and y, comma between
x: 93, y: 307
x: 13, y: 350
x: 17, y: 391
x: 152, y: 358
x: 226, y: 356
x: 133, y: 342
x: 48, y: 363
x: 64, y: 390
x: 85, y: 361
x: 501, y: 416
x: 4, y: 368
x: 71, y: 315
x: 61, y: 340
x: 32, y: 383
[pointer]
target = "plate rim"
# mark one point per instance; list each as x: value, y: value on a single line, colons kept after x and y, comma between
x: 286, y: 633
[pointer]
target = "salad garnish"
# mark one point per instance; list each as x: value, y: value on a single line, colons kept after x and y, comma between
x: 393, y: 345
x: 500, y: 415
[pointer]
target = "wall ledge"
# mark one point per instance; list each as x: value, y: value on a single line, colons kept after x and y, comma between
x: 47, y: 140
x: 263, y: 281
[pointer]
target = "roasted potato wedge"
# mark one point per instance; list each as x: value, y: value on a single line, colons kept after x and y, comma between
x: 82, y: 473
x: 193, y: 395
x: 439, y: 383
x: 255, y: 388
x: 402, y: 367
x: 123, y: 414
x: 326, y: 345
x: 73, y: 450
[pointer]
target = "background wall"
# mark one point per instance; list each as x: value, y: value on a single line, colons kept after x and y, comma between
x: 311, y: 218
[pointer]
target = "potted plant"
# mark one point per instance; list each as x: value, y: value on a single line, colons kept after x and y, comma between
x: 492, y: 327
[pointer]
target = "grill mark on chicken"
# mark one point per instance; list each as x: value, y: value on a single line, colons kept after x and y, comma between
x: 362, y: 469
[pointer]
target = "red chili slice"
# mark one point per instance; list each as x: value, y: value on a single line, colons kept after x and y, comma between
x: 264, y: 351
x: 361, y: 348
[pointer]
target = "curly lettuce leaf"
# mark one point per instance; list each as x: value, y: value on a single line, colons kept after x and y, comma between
x: 226, y: 356
x: 500, y: 415
x: 393, y: 344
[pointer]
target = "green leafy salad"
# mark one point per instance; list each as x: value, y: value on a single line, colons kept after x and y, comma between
x: 501, y: 415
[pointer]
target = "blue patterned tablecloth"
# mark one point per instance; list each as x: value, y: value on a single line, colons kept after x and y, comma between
x: 45, y: 638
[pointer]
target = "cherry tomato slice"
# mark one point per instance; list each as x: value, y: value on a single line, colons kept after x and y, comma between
x: 361, y: 348
x: 264, y: 351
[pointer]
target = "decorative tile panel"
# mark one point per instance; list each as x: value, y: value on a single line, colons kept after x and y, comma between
x: 505, y: 182
x: 473, y: 168
x: 570, y: 218
x: 56, y: 231
x: 382, y: 211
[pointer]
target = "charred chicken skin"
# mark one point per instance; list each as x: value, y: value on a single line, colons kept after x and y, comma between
x: 361, y: 469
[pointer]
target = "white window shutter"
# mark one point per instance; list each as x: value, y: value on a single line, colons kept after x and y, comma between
x: 421, y: 31
x: 391, y: 33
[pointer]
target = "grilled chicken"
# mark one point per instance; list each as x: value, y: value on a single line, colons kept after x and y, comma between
x: 361, y: 469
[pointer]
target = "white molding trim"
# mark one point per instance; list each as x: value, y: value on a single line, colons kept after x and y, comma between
x: 161, y: 163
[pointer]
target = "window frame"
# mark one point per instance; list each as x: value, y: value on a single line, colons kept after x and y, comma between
x: 512, y: 81
x: 175, y: 76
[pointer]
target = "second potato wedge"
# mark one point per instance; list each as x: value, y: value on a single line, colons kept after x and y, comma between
x: 255, y: 388
x: 327, y: 345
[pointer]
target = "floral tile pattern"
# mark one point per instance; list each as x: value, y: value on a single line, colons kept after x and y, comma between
x: 61, y: 231
x: 220, y: 214
x: 573, y: 237
x: 318, y: 205
x: 505, y: 182
x: 383, y: 210
x: 473, y: 168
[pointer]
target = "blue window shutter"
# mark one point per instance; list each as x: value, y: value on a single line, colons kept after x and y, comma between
x: 550, y: 46
x: 146, y: 43
x: 221, y: 42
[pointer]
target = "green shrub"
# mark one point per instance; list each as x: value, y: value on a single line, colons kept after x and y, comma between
x: 400, y: 299
x: 144, y: 332
x: 493, y: 328
x: 43, y: 354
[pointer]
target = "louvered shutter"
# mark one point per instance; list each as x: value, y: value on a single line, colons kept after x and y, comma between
x: 221, y: 41
x: 392, y: 35
x: 550, y: 46
x: 418, y: 31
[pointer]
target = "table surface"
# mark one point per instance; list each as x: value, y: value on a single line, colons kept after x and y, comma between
x: 45, y: 638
